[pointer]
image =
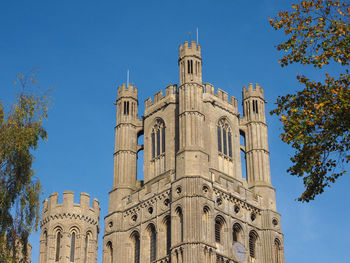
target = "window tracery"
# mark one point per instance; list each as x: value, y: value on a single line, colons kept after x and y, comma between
x: 158, y: 139
x: 224, y: 136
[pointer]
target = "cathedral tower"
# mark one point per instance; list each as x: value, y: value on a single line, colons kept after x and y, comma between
x: 69, y: 231
x: 193, y: 205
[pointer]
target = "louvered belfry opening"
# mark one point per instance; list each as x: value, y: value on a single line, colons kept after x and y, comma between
x: 252, y: 244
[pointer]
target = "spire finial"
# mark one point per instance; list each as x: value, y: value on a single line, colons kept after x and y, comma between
x: 190, y: 38
x: 127, y: 79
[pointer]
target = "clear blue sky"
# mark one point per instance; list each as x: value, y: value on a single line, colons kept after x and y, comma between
x: 84, y: 49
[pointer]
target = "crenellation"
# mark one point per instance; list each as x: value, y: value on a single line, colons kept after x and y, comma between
x: 253, y: 91
x: 130, y: 91
x: 160, y: 100
x: 190, y: 49
x: 69, y: 205
x: 158, y: 96
x: 171, y: 90
x: 193, y: 172
x: 61, y: 220
x: 208, y: 88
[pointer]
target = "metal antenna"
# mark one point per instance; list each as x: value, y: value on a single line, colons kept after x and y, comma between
x: 127, y: 79
x: 197, y: 36
x: 190, y: 39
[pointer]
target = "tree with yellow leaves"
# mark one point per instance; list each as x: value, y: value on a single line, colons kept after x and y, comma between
x: 21, y: 128
x: 316, y: 120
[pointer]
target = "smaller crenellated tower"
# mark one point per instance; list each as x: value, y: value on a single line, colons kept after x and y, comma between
x: 69, y: 231
x: 128, y: 128
x: 190, y: 63
x: 256, y: 148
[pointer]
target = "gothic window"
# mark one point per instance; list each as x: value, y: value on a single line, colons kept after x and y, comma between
x: 110, y: 252
x: 205, y: 221
x: 72, y: 247
x: 180, y: 224
x: 219, y: 225
x: 126, y: 108
x: 58, y: 245
x: 224, y: 138
x: 153, y: 243
x: 237, y: 233
x: 46, y: 251
x: 136, y: 238
x: 277, y: 249
x: 86, y: 247
x: 253, y: 237
x: 168, y: 234
x: 219, y: 139
x: 158, y: 139
x: 255, y: 107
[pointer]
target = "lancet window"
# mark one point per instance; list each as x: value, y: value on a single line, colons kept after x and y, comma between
x: 72, y: 247
x: 277, y: 251
x: 58, y: 245
x: 158, y: 139
x: 110, y: 252
x: 136, y: 240
x: 153, y: 243
x: 219, y: 225
x: 224, y: 138
x: 237, y: 233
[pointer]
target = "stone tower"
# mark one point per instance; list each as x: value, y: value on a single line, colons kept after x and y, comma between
x: 68, y: 230
x: 193, y: 205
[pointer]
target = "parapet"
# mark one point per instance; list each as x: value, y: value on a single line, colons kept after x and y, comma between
x: 130, y: 91
x: 170, y: 92
x: 252, y: 91
x: 190, y: 49
x: 221, y: 96
x: 51, y: 206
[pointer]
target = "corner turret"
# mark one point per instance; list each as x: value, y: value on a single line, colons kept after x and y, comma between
x: 190, y: 63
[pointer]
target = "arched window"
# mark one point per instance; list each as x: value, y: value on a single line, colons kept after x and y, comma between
x: 58, y: 245
x: 72, y: 247
x: 219, y: 225
x: 86, y: 247
x: 136, y: 241
x: 237, y: 233
x: 180, y: 224
x: 158, y: 138
x: 277, y: 251
x: 224, y: 138
x: 167, y: 225
x: 110, y: 252
x: 205, y: 221
x: 255, y: 107
x: 253, y: 237
x: 153, y: 242
x: 126, y: 107
x: 45, y: 244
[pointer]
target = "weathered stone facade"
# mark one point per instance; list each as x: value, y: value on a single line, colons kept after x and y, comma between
x: 193, y: 205
x: 69, y: 231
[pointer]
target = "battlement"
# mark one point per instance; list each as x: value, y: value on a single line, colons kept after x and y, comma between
x: 170, y: 91
x: 252, y: 91
x: 130, y: 91
x: 220, y: 95
x: 51, y: 205
x: 190, y: 49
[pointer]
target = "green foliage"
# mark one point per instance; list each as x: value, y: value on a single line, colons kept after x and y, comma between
x: 316, y: 120
x: 20, y: 131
